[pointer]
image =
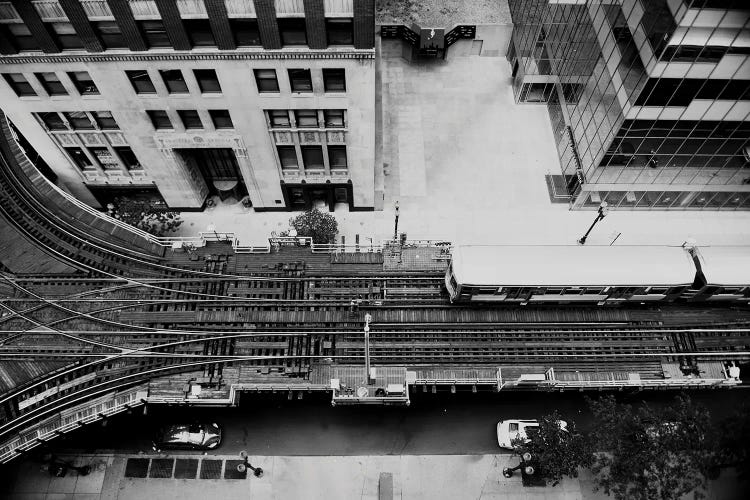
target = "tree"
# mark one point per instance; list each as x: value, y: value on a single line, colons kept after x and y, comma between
x: 734, y: 443
x: 555, y: 452
x: 145, y: 215
x: 652, y: 454
x: 320, y: 226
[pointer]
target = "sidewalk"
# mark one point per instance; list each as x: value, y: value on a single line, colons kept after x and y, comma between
x: 432, y: 477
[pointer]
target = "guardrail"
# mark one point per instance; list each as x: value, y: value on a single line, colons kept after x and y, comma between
x: 71, y: 419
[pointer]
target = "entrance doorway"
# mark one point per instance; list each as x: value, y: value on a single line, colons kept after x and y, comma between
x: 321, y: 196
x: 219, y: 169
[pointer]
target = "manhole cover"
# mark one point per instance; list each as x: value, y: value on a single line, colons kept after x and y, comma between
x: 161, y: 468
x: 136, y: 467
x: 185, y: 468
x: 211, y: 469
x: 231, y: 472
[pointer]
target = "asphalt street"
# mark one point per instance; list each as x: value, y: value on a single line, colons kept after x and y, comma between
x: 433, y: 424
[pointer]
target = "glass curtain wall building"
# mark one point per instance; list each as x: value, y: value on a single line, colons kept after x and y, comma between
x: 649, y: 100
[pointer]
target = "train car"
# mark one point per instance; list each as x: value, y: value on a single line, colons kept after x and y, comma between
x: 727, y: 274
x: 569, y: 274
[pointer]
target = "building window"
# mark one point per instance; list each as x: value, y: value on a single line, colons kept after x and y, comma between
x: 312, y: 157
x: 292, y: 31
x: 245, y: 32
x: 266, y: 80
x: 110, y: 34
x: 154, y: 33
x: 337, y: 157
x: 141, y: 82
x: 207, y: 81
x: 79, y: 158
x: 105, y: 158
x: 279, y: 118
x: 300, y: 80
x: 19, y: 84
x: 67, y: 36
x: 22, y: 37
x: 287, y: 157
x: 159, y: 119
x: 190, y: 118
x: 334, y: 80
x: 52, y: 121
x: 174, y: 81
x: 334, y: 118
x: 339, y: 32
x: 128, y: 158
x: 83, y: 83
x: 221, y: 118
x: 306, y: 118
x: 105, y: 120
x: 199, y: 32
x: 79, y: 120
x: 51, y: 83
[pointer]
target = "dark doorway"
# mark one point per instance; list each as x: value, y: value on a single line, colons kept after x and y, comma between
x: 107, y: 194
x: 321, y: 196
x: 219, y: 169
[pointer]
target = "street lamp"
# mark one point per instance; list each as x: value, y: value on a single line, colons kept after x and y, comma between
x: 601, y: 213
x: 368, y: 318
x: 257, y: 471
x: 395, y: 228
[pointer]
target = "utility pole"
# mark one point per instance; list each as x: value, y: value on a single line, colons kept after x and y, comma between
x: 368, y: 318
x: 395, y: 228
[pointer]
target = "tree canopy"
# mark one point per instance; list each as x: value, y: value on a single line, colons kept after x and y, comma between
x: 652, y: 454
x: 555, y: 452
x: 320, y: 226
x: 145, y: 215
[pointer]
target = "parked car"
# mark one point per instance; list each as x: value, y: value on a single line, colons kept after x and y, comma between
x: 195, y: 436
x: 508, y: 430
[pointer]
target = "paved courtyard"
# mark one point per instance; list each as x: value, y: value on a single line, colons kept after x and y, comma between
x: 467, y: 165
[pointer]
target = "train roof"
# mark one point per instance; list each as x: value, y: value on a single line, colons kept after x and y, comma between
x: 726, y: 265
x: 572, y: 265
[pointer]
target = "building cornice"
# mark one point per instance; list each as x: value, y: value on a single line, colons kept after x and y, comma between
x: 183, y: 56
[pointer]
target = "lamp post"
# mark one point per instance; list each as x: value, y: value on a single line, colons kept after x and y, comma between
x: 368, y: 318
x: 601, y: 213
x: 257, y: 471
x: 395, y: 228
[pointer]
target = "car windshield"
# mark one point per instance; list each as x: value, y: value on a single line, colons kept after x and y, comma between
x: 513, y: 427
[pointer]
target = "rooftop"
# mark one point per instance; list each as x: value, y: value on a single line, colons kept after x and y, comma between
x: 441, y: 13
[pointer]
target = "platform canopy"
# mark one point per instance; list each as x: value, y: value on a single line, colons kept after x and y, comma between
x: 572, y: 265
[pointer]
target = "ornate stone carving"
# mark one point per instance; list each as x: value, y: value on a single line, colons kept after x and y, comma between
x: 309, y: 137
x: 336, y: 136
x: 91, y: 138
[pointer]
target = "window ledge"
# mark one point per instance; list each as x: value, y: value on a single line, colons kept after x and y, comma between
x: 211, y: 95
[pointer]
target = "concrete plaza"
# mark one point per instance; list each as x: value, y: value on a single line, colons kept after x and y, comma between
x: 417, y: 477
x: 467, y: 165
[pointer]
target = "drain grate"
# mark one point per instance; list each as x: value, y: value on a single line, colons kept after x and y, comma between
x: 231, y: 472
x: 185, y: 468
x: 161, y: 468
x: 136, y: 467
x: 211, y: 469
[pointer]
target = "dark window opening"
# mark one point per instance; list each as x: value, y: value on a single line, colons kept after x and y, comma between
x: 287, y: 157
x: 337, y: 157
x: 21, y: 37
x: 266, y: 80
x: 300, y: 80
x: 221, y: 118
x: 312, y: 157
x: 53, y: 121
x: 199, y: 32
x: 174, y: 81
x: 292, y: 31
x: 79, y: 158
x: 245, y: 32
x: 159, y: 119
x: 155, y: 33
x: 51, y: 83
x: 110, y: 34
x: 190, y: 118
x: 334, y: 80
x: 141, y: 82
x: 83, y: 83
x: 105, y: 158
x: 279, y: 118
x: 19, y: 84
x: 128, y: 158
x: 339, y: 31
x: 334, y: 118
x: 79, y: 120
x: 306, y: 118
x: 105, y: 120
x: 66, y: 35
x: 208, y: 82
